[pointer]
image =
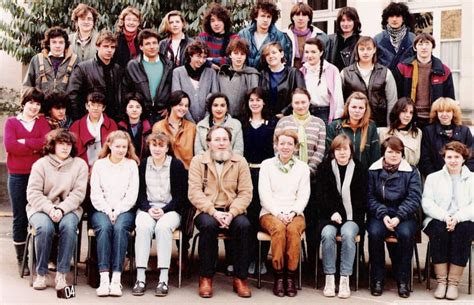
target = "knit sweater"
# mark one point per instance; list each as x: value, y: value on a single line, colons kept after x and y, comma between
x: 315, y: 138
x: 283, y: 192
x: 20, y: 157
x: 258, y: 142
x: 216, y: 46
x: 54, y: 183
x: 114, y: 186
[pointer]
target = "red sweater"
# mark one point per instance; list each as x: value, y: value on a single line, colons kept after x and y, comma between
x: 20, y: 157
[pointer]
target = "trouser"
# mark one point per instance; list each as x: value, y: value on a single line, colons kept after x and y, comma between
x: 286, y: 240
x: 17, y: 184
x: 239, y: 231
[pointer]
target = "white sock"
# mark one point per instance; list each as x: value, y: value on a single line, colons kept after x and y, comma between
x: 104, y: 276
x: 141, y: 274
x: 116, y: 277
x: 164, y: 275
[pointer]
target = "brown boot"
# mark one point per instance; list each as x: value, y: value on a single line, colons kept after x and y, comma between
x: 278, y: 285
x: 441, y: 272
x: 291, y: 290
x: 205, y: 287
x: 242, y: 288
x: 454, y: 275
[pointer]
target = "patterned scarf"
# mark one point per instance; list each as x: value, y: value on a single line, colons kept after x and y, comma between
x: 390, y: 168
x: 285, y: 168
x: 302, y: 121
x: 396, y: 35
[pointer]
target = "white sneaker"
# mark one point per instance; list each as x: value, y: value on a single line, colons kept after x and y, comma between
x: 60, y: 280
x: 344, y: 289
x: 40, y: 282
x: 104, y: 288
x: 115, y: 289
x: 330, y: 287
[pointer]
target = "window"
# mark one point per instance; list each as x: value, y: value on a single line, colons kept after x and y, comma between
x: 325, y: 13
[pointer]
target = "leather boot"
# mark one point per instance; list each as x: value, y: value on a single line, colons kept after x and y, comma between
x: 241, y: 288
x: 441, y: 272
x: 291, y: 289
x: 20, y: 249
x: 278, y: 285
x: 205, y: 287
x: 454, y: 275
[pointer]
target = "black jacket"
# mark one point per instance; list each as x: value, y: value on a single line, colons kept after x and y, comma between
x: 122, y: 53
x: 338, y: 55
x: 292, y: 79
x: 88, y: 76
x: 136, y: 80
x: 329, y: 201
x: 179, y: 187
x: 165, y: 50
x: 433, y: 139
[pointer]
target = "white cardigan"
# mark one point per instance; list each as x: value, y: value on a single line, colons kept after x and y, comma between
x: 283, y: 192
x: 114, y: 186
x: 438, y: 192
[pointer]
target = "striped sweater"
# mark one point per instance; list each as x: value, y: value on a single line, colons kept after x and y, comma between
x: 316, y: 135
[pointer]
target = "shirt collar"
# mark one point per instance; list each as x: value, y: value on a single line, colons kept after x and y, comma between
x: 20, y: 118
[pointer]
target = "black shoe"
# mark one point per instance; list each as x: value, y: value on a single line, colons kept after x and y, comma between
x: 403, y: 290
x: 377, y: 288
x: 139, y: 288
x: 161, y: 290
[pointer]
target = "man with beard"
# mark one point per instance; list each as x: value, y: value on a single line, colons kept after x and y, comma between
x: 220, y: 187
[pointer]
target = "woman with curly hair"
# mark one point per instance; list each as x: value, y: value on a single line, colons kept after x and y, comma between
x: 84, y: 38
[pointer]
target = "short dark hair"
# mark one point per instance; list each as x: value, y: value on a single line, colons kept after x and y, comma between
x: 394, y: 143
x: 239, y: 44
x: 458, y: 147
x: 147, y: 33
x: 106, y: 35
x: 176, y: 97
x: 221, y: 13
x: 195, y: 47
x: 32, y: 94
x: 214, y: 128
x: 56, y: 99
x: 352, y: 14
x: 266, y: 6
x: 96, y: 97
x: 303, y: 8
x: 59, y: 135
x: 54, y: 32
x: 397, y: 9
x: 422, y: 37
x: 134, y: 96
x: 211, y: 100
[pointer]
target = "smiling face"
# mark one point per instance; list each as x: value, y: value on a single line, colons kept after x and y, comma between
x: 197, y: 60
x: 31, y: 109
x: 219, y: 145
x: 85, y: 22
x: 300, y: 103
x: 263, y: 20
x: 445, y: 117
x: 392, y: 157
x: 454, y: 161
x: 134, y: 110
x: 95, y: 110
x: 342, y: 154
x: 274, y: 57
x: 256, y: 104
x: 312, y: 54
x: 406, y: 116
x: 285, y: 147
x: 219, y: 109
x: 149, y: 47
x: 180, y: 110
x: 131, y: 23
x: 62, y: 150
x: 357, y: 109
x: 347, y: 25
x: 217, y: 25
x: 118, y: 149
x: 366, y: 52
x: 57, y: 45
x: 175, y: 25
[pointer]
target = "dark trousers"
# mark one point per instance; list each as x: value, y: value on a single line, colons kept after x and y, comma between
x: 403, y: 250
x: 239, y: 231
x: 450, y: 247
x: 253, y: 215
x: 17, y: 184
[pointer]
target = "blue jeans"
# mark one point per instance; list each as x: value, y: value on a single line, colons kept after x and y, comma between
x: 112, y: 239
x: 17, y: 184
x: 348, y: 231
x: 45, y: 231
x: 403, y: 250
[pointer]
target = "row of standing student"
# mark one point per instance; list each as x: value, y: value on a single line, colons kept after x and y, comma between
x: 357, y: 112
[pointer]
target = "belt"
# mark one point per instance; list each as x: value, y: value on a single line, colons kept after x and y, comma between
x: 254, y: 165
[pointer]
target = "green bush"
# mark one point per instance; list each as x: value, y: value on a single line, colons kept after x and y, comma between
x: 21, y: 37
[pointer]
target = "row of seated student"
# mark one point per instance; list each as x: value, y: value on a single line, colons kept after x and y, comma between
x: 223, y: 186
x: 392, y: 65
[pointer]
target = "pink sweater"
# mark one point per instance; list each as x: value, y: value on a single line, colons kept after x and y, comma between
x: 20, y: 157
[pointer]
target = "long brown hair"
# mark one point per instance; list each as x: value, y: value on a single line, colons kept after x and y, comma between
x: 364, y: 122
x: 119, y: 134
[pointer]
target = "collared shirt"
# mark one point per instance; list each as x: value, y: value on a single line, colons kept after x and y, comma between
x: 158, y: 186
x: 27, y: 124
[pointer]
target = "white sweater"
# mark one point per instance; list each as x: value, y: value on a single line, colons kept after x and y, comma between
x: 114, y: 186
x: 437, y: 195
x: 283, y: 192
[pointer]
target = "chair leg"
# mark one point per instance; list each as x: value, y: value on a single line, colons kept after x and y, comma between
x: 76, y: 258
x: 428, y: 267
x: 469, y: 288
x: 357, y: 267
x: 89, y: 255
x: 25, y: 254
x: 417, y: 261
x: 259, y: 275
x: 299, y: 267
x: 32, y: 260
x: 180, y: 257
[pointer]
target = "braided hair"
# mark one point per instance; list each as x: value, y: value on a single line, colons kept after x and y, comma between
x: 320, y: 45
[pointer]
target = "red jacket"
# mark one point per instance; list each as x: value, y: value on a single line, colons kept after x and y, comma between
x: 20, y: 157
x: 84, y: 137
